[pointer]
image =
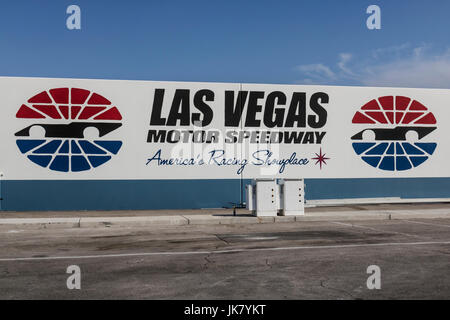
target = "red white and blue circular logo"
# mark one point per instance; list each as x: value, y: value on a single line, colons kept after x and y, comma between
x: 69, y: 129
x: 396, y: 134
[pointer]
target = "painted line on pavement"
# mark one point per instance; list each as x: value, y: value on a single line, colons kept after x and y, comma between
x: 429, y: 224
x: 143, y: 254
x: 373, y: 229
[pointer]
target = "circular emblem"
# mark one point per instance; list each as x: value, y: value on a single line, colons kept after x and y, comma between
x: 395, y: 133
x: 67, y: 129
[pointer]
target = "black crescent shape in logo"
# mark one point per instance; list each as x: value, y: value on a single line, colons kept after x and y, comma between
x: 71, y: 130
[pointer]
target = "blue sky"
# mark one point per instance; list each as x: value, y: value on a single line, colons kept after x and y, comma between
x: 313, y: 42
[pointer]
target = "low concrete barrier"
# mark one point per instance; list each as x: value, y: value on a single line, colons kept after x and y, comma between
x: 210, y: 219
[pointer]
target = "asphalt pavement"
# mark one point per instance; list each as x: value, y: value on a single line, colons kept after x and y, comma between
x: 326, y: 259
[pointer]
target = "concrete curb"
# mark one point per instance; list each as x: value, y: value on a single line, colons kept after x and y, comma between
x: 345, y: 216
x: 93, y: 222
x: 179, y: 220
x: 41, y: 223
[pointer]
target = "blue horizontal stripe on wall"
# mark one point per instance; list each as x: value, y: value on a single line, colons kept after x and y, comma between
x: 117, y: 194
x: 381, y: 187
x: 191, y: 194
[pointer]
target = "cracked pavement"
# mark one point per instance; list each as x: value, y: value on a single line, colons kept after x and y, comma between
x: 301, y: 260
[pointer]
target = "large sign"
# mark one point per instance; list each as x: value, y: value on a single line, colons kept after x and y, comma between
x: 114, y: 129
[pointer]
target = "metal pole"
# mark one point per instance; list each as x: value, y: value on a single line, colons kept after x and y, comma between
x: 241, y: 182
x: 1, y: 197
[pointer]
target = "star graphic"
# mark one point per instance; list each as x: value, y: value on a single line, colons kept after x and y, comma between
x: 320, y: 158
